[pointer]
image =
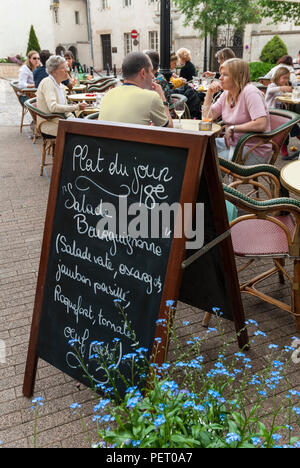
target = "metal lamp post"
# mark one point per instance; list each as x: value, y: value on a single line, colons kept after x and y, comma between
x: 165, y: 38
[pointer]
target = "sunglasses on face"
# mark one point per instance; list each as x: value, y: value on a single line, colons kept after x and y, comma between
x: 36, y: 58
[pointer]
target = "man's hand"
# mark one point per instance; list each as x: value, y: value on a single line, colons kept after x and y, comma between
x: 156, y: 87
x: 82, y: 105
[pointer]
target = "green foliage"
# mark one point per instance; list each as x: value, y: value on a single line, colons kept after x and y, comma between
x: 259, y: 69
x: 33, y: 43
x: 280, y: 11
x: 207, y: 15
x: 273, y: 50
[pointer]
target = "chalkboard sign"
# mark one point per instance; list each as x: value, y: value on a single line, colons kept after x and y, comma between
x: 90, y: 263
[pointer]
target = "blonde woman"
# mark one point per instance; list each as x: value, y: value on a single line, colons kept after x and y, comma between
x: 242, y: 108
x: 26, y: 79
x: 188, y: 70
x: 26, y: 71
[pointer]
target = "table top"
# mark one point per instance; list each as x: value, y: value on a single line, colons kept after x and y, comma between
x: 82, y: 97
x: 193, y: 125
x: 287, y: 98
x: 290, y: 176
x: 79, y: 88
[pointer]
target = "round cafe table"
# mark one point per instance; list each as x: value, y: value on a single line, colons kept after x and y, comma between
x: 88, y: 97
x: 290, y: 176
x: 79, y: 88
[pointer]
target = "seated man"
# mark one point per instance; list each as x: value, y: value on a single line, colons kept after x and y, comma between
x: 40, y: 72
x: 139, y: 100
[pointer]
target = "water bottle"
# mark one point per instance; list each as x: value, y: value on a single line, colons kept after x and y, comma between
x: 296, y: 92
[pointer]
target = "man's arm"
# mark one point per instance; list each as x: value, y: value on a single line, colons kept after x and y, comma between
x: 156, y: 87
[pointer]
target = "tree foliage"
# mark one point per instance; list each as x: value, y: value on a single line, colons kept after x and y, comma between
x: 33, y: 43
x: 207, y: 15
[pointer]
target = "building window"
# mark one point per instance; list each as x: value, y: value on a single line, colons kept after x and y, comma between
x: 103, y: 4
x: 127, y: 43
x: 153, y: 40
x: 126, y: 3
x: 77, y: 20
x: 152, y: 2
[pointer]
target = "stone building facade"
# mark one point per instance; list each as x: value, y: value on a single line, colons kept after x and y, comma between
x: 98, y: 31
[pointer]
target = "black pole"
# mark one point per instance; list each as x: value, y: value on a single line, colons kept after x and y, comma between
x: 165, y: 38
x: 205, y: 53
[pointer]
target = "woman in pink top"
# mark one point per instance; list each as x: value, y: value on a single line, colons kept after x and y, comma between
x: 242, y: 108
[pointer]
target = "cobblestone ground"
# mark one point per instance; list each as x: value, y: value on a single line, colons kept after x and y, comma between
x: 23, y: 199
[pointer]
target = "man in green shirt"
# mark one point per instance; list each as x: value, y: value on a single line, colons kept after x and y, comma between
x: 139, y: 100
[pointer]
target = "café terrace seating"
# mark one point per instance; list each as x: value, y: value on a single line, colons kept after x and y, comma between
x: 282, y: 122
x: 103, y: 86
x: 266, y: 229
x: 19, y: 92
x: 48, y: 143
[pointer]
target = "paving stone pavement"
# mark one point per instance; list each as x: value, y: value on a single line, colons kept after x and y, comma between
x: 23, y: 200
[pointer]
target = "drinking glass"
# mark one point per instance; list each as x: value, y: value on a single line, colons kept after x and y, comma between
x: 179, y: 108
x: 206, y: 113
x: 196, y: 81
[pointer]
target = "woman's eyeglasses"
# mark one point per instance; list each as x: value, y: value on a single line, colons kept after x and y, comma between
x: 36, y: 58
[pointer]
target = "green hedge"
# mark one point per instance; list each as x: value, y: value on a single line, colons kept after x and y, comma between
x: 258, y: 69
x: 273, y: 50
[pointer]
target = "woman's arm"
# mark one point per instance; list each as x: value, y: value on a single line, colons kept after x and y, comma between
x: 25, y: 78
x: 257, y: 125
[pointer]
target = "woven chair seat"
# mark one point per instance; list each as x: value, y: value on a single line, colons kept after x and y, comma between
x: 261, y: 237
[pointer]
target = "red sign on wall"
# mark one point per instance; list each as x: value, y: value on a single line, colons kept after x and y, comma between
x: 134, y: 34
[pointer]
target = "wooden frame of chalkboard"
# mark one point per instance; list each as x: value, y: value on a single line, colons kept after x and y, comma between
x: 186, y: 151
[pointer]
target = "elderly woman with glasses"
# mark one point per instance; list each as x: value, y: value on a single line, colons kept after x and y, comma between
x: 51, y: 95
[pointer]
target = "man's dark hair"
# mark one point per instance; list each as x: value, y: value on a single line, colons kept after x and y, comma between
x: 154, y: 57
x: 44, y: 55
x: 133, y: 64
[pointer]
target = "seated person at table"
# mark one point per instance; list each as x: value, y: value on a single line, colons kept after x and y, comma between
x: 188, y: 70
x: 139, y: 100
x: 221, y: 56
x: 242, y: 108
x: 284, y: 61
x: 40, y: 72
x: 51, y: 97
x: 159, y: 77
x: 70, y: 83
x: 26, y: 72
x: 278, y: 86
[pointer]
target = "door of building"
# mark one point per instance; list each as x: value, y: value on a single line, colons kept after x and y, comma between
x: 106, y: 50
x: 227, y: 37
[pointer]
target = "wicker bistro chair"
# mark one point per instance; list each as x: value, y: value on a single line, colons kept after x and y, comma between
x: 20, y: 92
x: 93, y: 116
x: 179, y: 97
x: 270, y: 229
x: 99, y: 80
x: 282, y: 122
x: 100, y: 87
x: 263, y: 179
x: 48, y: 142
